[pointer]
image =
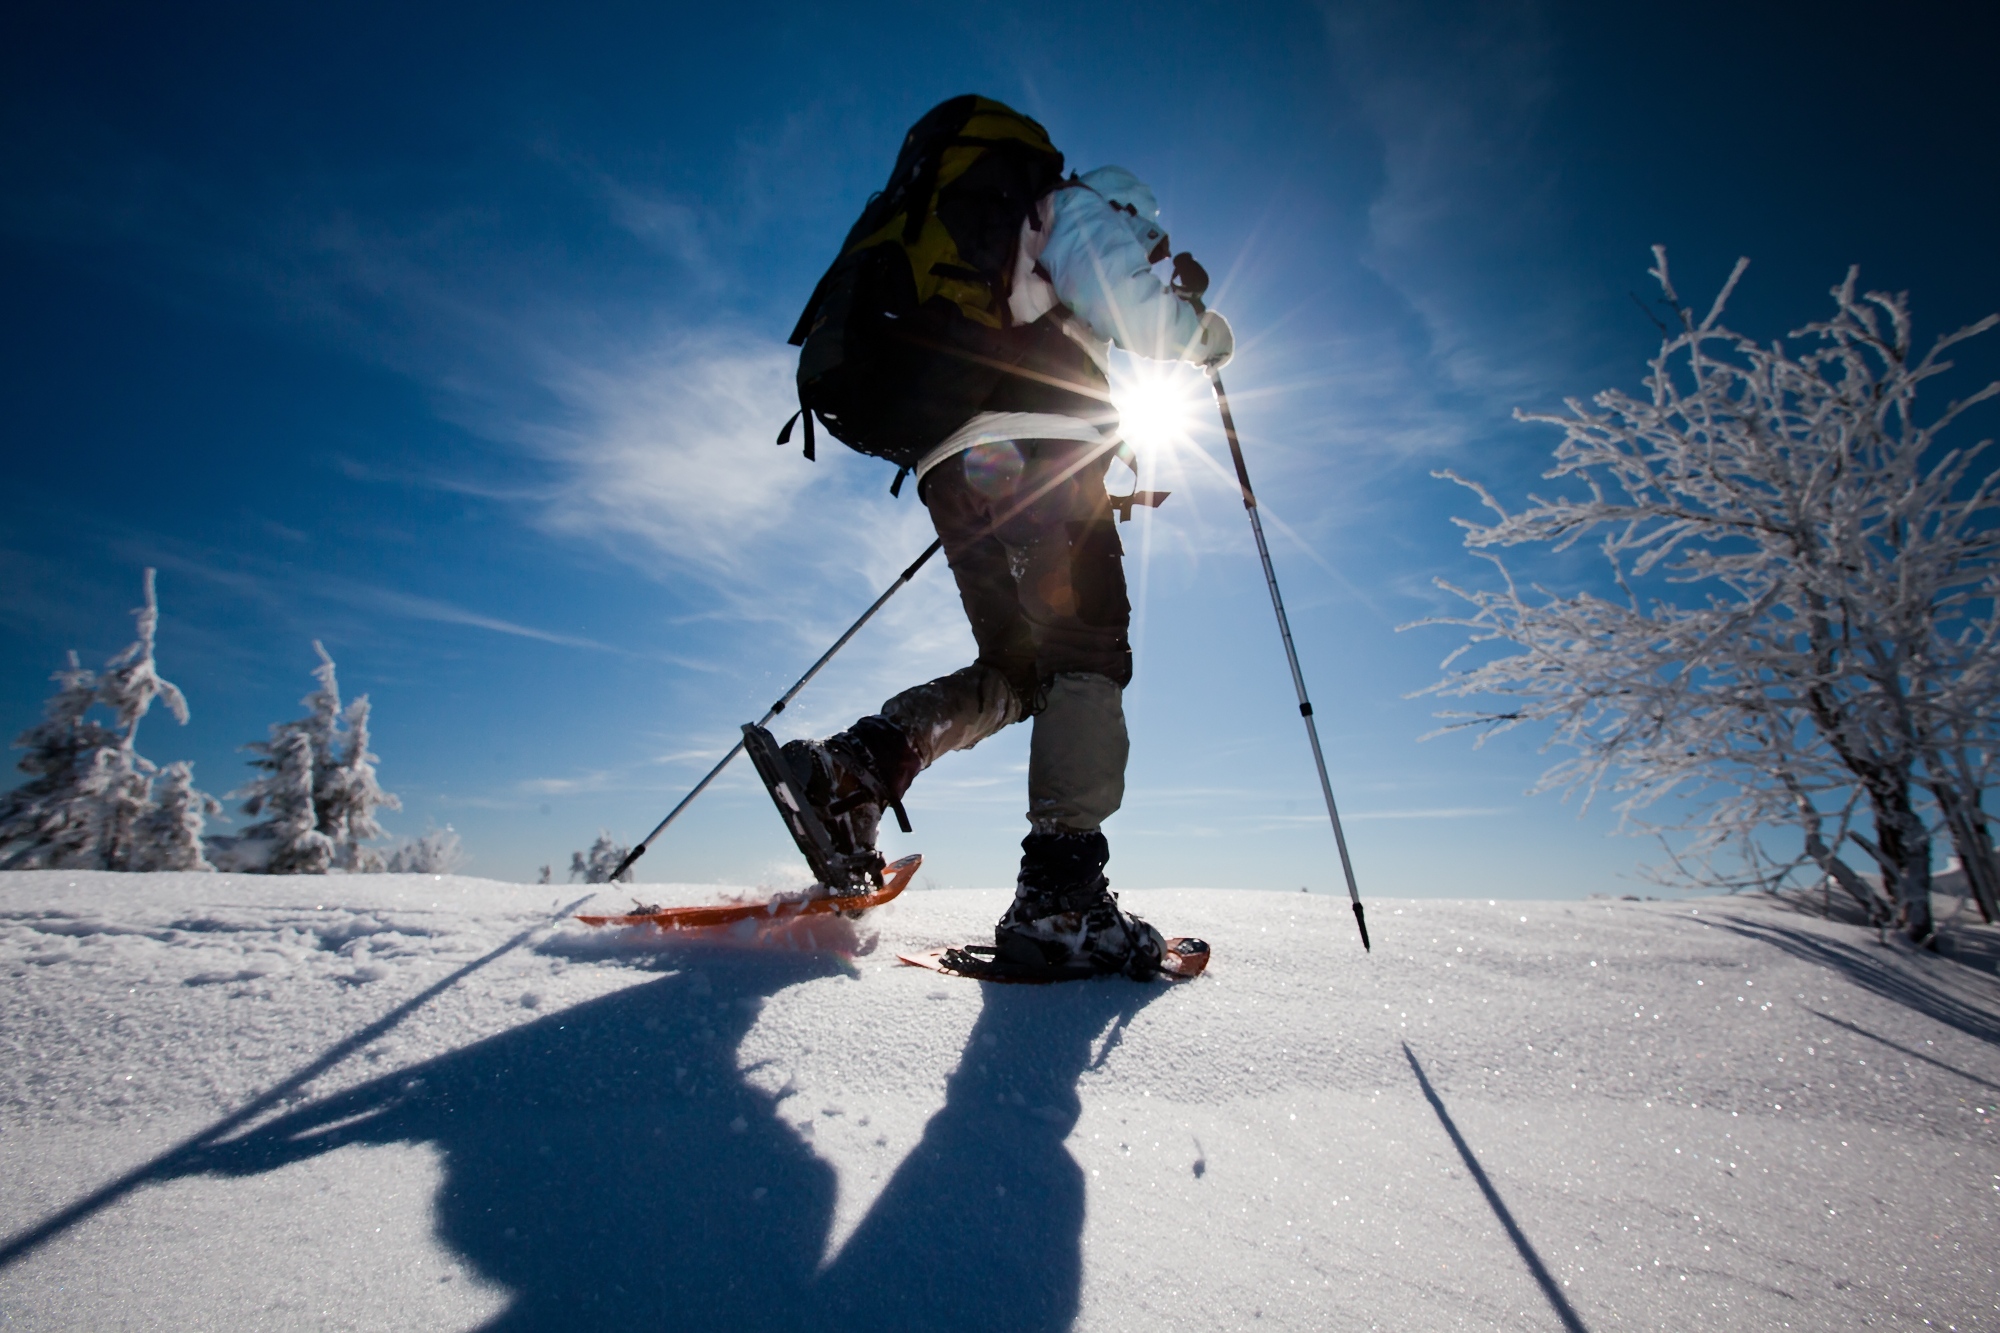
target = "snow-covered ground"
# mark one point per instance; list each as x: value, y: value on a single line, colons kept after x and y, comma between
x: 405, y: 1102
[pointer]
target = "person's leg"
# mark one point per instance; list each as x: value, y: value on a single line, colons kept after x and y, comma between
x: 851, y: 777
x: 966, y: 496
x: 1076, y: 757
x: 1072, y: 589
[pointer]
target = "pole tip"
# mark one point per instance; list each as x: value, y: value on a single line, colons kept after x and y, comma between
x: 640, y: 851
x: 1362, y: 921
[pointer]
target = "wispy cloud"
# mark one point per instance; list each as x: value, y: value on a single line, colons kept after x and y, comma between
x: 1460, y: 227
x: 590, y: 782
x: 275, y: 589
x: 412, y: 607
x: 1441, y: 812
x: 672, y: 446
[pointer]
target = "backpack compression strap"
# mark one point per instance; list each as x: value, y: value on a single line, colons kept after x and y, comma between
x: 785, y: 435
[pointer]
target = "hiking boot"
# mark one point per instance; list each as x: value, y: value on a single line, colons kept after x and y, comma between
x: 1064, y: 914
x: 848, y: 779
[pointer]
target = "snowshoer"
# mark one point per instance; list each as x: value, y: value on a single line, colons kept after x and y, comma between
x: 1006, y: 357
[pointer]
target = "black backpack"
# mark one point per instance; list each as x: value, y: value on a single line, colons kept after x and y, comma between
x: 908, y: 334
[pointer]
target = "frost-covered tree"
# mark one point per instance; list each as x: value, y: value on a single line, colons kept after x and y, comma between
x: 170, y: 834
x: 348, y: 794
x: 89, y: 803
x: 1803, y: 636
x: 53, y: 820
x: 287, y: 836
x: 438, y: 852
x: 323, y: 760
x: 603, y: 858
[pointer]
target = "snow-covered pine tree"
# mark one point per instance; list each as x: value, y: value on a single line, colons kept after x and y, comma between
x: 287, y: 837
x: 346, y: 792
x: 88, y: 802
x: 127, y: 686
x: 341, y: 792
x: 170, y: 834
x: 52, y: 820
x: 603, y: 858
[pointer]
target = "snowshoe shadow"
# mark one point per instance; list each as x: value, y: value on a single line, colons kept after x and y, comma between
x: 607, y: 1164
x: 981, y: 1227
x: 610, y: 1166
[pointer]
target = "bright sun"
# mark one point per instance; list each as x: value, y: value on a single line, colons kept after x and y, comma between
x: 1158, y: 404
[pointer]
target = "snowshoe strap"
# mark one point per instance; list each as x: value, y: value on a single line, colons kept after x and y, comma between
x: 872, y: 790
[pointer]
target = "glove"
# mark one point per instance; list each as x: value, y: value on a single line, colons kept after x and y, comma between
x: 1216, y: 343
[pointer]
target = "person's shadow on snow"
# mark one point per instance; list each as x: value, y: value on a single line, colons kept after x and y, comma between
x: 610, y: 1166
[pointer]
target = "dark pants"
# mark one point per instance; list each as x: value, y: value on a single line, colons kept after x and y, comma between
x: 1031, y: 541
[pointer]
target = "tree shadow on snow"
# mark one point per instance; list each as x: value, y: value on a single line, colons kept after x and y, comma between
x: 611, y: 1166
x: 1932, y: 985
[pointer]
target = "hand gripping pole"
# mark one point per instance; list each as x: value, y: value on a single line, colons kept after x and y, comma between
x: 1291, y: 653
x: 778, y: 707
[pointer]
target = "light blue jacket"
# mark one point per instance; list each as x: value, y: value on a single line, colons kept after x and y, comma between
x: 1092, y: 248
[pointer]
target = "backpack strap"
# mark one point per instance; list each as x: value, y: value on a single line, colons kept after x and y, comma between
x: 785, y: 435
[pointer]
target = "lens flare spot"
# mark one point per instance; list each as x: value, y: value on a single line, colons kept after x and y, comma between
x: 993, y: 468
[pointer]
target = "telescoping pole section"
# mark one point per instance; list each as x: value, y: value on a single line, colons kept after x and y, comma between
x: 1291, y: 653
x: 778, y: 707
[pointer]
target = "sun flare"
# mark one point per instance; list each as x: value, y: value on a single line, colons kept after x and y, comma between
x: 1159, y: 405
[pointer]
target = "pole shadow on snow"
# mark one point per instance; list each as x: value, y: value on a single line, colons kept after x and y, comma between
x: 174, y: 1161
x: 1536, y: 1268
x: 1923, y: 982
x: 612, y: 1168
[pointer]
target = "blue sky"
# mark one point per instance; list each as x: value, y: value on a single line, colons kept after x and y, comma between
x: 455, y: 339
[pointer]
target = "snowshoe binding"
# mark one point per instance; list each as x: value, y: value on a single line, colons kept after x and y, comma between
x: 1065, y: 917
x: 831, y: 801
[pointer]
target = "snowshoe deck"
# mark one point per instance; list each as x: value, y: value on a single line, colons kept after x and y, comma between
x: 1184, y: 960
x: 814, y: 901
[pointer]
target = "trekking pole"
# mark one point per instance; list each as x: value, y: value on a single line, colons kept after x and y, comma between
x: 1291, y: 652
x: 1190, y: 282
x: 777, y: 707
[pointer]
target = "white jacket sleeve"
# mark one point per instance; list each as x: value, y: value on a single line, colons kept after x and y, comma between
x: 1099, y: 270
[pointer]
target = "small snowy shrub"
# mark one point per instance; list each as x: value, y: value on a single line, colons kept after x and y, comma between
x: 438, y: 852
x: 603, y: 858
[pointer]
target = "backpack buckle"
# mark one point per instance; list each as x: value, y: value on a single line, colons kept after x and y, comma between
x: 1125, y: 503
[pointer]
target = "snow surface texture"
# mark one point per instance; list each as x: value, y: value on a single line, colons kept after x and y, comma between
x: 1710, y: 1114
